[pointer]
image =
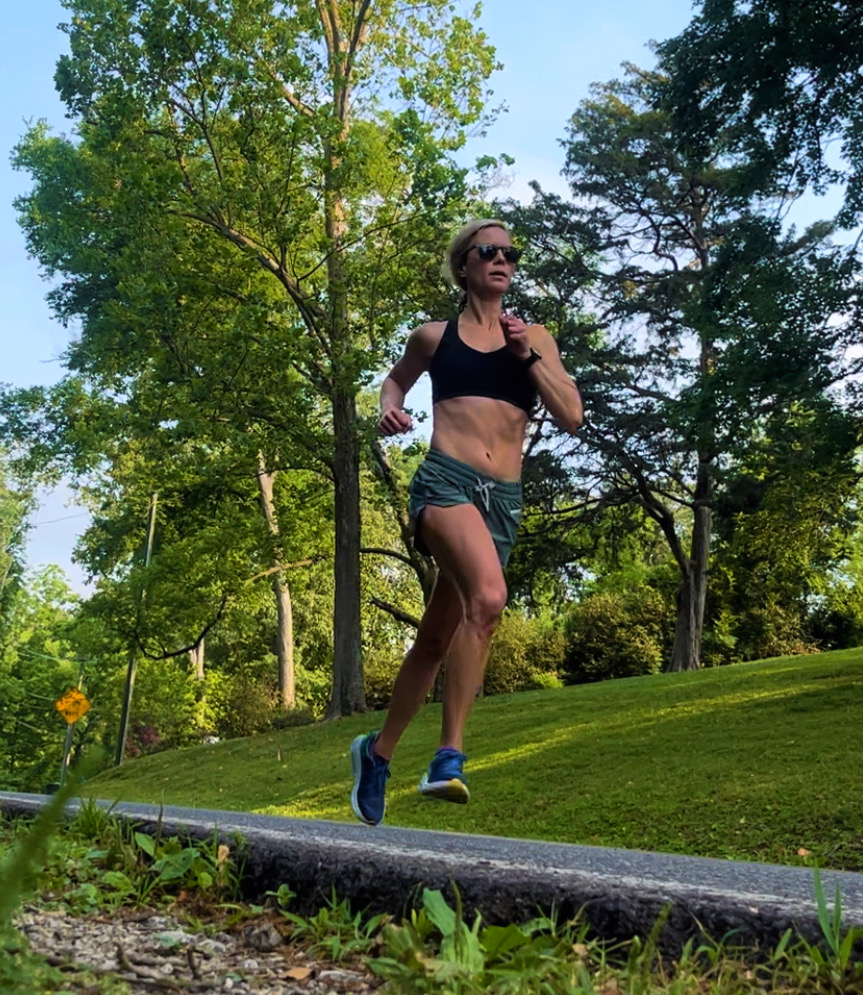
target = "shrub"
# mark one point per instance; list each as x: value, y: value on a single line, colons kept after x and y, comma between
x: 615, y: 634
x: 240, y: 704
x: 379, y: 674
x: 526, y: 653
x: 166, y: 704
x: 313, y: 689
x: 772, y: 629
x: 719, y: 644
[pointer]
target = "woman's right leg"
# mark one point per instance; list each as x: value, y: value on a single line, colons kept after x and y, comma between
x: 463, y: 548
x: 418, y: 671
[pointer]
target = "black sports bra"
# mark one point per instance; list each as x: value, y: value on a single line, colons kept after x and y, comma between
x: 457, y: 370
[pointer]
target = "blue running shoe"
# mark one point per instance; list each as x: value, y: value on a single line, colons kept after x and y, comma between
x: 445, y: 778
x: 370, y: 781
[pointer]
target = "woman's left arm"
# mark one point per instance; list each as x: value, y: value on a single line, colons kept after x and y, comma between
x: 558, y: 390
x: 556, y: 387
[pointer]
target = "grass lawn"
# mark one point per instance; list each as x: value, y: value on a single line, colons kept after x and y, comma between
x: 754, y: 762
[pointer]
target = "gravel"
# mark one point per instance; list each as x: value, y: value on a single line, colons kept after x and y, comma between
x: 154, y: 953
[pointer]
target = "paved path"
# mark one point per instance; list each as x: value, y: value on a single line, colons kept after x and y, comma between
x: 621, y: 891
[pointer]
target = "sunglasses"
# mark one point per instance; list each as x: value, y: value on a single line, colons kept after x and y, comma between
x: 488, y: 251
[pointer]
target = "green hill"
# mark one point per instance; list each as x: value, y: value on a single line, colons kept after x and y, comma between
x: 760, y: 761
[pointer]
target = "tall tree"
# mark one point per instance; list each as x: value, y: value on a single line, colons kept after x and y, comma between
x: 287, y: 167
x: 782, y: 78
x: 710, y: 317
x: 15, y: 506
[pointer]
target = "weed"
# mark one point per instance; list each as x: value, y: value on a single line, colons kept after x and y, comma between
x: 830, y: 965
x: 437, y: 950
x: 335, y: 930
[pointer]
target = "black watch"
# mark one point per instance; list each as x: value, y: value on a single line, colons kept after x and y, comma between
x: 531, y: 359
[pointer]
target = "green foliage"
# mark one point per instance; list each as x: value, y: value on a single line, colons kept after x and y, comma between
x: 272, y: 193
x: 37, y: 665
x: 616, y: 634
x: 100, y: 862
x: 335, y: 931
x: 21, y: 866
x: 240, y: 704
x: 379, y: 673
x: 686, y: 312
x: 526, y: 653
x: 780, y: 77
x: 436, y: 950
x: 14, y: 506
x: 785, y: 541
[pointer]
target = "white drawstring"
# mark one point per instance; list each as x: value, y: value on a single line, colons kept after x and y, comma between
x: 484, y: 488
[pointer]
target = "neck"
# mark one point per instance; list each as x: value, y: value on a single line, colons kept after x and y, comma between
x: 481, y: 311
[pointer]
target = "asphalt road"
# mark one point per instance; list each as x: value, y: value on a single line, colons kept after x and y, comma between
x: 620, y: 892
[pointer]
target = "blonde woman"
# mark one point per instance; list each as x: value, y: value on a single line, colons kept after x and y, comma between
x: 487, y: 369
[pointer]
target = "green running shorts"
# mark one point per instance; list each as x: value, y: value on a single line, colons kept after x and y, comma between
x: 444, y: 482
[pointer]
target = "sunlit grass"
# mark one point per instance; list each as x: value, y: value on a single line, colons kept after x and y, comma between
x: 757, y: 761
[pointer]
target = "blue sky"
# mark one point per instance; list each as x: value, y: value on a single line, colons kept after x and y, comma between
x: 552, y: 51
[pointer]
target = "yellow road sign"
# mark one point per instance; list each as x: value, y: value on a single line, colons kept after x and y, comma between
x: 73, y: 705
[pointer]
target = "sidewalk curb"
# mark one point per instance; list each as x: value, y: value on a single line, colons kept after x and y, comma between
x: 621, y: 892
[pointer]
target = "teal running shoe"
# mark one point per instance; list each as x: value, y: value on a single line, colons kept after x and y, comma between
x: 445, y: 780
x: 368, y: 798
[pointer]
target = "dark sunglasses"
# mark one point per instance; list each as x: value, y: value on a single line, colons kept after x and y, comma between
x: 488, y: 251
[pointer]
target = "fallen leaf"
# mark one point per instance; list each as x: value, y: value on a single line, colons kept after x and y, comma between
x: 298, y: 973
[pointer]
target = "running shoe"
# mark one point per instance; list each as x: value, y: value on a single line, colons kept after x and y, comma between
x: 368, y: 798
x: 445, y: 777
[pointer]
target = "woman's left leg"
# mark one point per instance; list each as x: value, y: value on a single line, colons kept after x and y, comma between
x: 418, y: 671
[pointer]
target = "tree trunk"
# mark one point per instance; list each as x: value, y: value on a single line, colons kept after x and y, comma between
x: 196, y: 658
x: 348, y: 695
x: 284, y: 642
x: 692, y: 595
x: 424, y: 566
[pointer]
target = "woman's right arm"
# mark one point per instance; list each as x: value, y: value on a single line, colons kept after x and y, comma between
x: 415, y: 361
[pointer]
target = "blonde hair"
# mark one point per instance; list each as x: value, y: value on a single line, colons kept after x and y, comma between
x: 458, y: 249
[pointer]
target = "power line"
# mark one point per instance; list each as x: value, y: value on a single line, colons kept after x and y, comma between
x: 52, y: 521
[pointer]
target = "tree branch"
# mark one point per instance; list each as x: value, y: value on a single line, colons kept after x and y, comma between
x: 387, y: 552
x: 397, y: 613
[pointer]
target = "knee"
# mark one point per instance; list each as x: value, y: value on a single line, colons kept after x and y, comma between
x: 484, y: 608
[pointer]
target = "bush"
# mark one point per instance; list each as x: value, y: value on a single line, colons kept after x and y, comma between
x: 771, y: 629
x: 615, y: 634
x: 379, y: 674
x: 166, y: 703
x: 837, y: 621
x: 313, y: 689
x: 240, y: 704
x: 526, y: 653
x: 719, y: 644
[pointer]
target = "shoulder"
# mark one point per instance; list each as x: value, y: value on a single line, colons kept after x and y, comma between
x: 541, y: 339
x: 425, y: 339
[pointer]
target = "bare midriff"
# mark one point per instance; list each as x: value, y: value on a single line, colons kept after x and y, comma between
x: 484, y: 433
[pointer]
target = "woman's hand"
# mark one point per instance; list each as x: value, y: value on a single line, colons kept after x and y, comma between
x: 394, y: 421
x: 515, y: 333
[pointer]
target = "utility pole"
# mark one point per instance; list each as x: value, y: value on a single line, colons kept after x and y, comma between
x: 133, y: 656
